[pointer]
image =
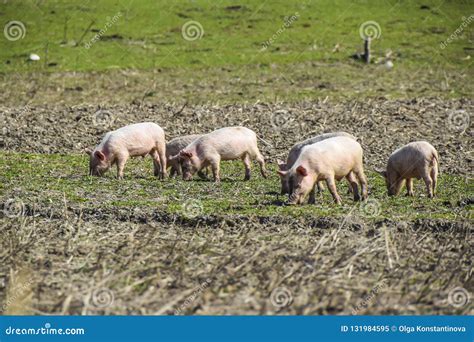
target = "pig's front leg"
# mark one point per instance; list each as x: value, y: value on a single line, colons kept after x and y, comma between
x: 215, y: 165
x: 121, y: 161
x: 409, y: 185
x: 331, y: 183
x: 312, y: 197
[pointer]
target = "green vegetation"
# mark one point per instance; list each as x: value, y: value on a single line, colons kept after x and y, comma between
x: 148, y: 34
x: 54, y: 180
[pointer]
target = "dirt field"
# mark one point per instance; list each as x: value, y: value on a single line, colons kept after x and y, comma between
x: 70, y: 71
x: 97, y: 258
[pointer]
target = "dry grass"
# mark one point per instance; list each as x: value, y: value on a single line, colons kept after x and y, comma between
x: 324, y: 266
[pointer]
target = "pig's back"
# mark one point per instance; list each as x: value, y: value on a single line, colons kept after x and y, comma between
x: 177, y: 144
x: 229, y: 142
x: 137, y: 139
x: 296, y: 149
x: 331, y: 152
x: 411, y: 154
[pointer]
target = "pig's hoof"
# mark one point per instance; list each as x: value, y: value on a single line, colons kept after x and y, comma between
x: 246, y: 178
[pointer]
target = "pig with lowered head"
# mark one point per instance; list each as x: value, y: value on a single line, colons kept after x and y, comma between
x: 417, y: 159
x: 227, y: 143
x: 295, y: 152
x: 173, y: 147
x: 134, y: 140
x: 328, y: 160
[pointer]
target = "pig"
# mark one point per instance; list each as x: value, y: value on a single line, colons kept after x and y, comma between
x: 133, y: 140
x: 173, y: 147
x: 417, y: 159
x: 328, y: 160
x: 295, y: 152
x: 227, y: 143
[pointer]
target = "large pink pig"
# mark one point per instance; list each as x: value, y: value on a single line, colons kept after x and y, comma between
x: 134, y: 140
x: 295, y: 152
x: 417, y: 159
x: 328, y: 160
x: 227, y: 143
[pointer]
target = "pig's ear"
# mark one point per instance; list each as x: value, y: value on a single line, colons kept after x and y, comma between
x: 185, y: 154
x: 383, y: 173
x: 302, y: 171
x: 88, y: 151
x: 100, y: 155
x: 282, y: 173
x: 281, y: 164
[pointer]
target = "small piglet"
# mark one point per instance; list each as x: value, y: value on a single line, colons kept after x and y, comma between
x: 227, y: 143
x: 328, y: 160
x: 134, y: 140
x: 295, y: 152
x: 173, y: 147
x: 417, y: 159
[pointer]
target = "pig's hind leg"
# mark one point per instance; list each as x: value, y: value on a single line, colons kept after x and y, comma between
x: 434, y: 177
x: 428, y: 182
x: 161, y: 150
x: 261, y: 162
x: 363, y: 181
x: 353, y: 185
x: 156, y: 163
x: 247, y: 162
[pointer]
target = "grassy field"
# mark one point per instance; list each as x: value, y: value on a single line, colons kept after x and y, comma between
x: 148, y: 34
x: 55, y: 181
x: 143, y: 51
x: 287, y: 70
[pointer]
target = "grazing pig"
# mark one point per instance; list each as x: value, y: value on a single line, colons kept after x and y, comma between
x: 227, y: 143
x: 417, y: 159
x: 130, y: 141
x: 295, y: 152
x: 173, y: 147
x: 328, y: 160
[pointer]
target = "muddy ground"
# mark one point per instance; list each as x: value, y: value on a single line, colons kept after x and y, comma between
x: 381, y: 125
x: 76, y: 263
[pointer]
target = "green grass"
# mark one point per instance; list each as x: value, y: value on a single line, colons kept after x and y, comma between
x: 148, y: 34
x: 56, y: 179
x: 143, y: 55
